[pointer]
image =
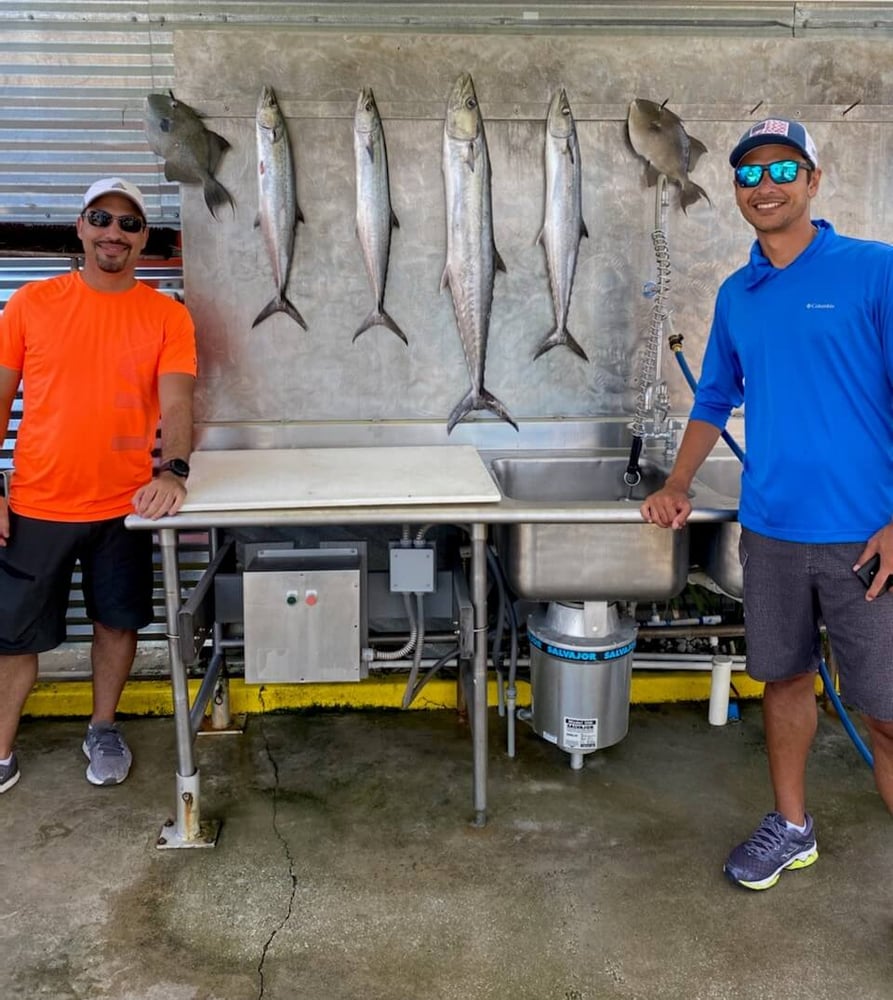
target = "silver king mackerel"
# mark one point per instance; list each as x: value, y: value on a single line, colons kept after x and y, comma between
x: 278, y: 213
x: 472, y: 259
x: 563, y: 226
x: 375, y: 216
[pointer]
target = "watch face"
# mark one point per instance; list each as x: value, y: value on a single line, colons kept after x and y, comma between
x: 178, y: 466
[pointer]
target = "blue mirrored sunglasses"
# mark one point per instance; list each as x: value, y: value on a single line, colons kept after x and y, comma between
x: 780, y: 172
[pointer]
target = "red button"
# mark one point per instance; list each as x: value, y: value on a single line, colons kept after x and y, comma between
x: 311, y: 598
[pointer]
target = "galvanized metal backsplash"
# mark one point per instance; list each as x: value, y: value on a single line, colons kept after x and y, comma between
x: 75, y: 75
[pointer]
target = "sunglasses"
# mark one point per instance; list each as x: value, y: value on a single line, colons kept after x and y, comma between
x: 100, y: 219
x: 780, y: 172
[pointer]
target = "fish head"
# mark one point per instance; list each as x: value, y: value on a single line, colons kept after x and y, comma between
x: 463, y: 117
x: 560, y: 121
x: 160, y: 110
x: 268, y: 114
x: 366, y: 116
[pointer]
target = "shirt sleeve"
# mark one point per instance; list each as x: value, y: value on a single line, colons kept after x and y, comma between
x: 721, y: 385
x: 12, y: 332
x: 178, y: 353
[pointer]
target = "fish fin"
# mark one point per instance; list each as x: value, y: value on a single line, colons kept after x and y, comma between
x: 395, y: 222
x: 690, y: 193
x: 500, y: 263
x: 483, y: 400
x: 217, y: 146
x: 299, y: 215
x: 216, y: 195
x: 257, y: 221
x: 445, y: 279
x: 279, y: 304
x: 583, y: 230
x: 651, y: 175
x: 379, y: 317
x: 569, y: 149
x: 490, y: 402
x: 165, y: 125
x: 696, y: 150
x: 540, y: 236
x: 556, y: 338
x: 369, y: 146
x: 173, y: 173
x: 469, y: 156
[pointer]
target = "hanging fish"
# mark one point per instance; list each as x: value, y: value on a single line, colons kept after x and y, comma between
x: 375, y: 217
x: 563, y: 227
x: 472, y: 258
x: 659, y: 137
x: 191, y: 152
x: 278, y: 212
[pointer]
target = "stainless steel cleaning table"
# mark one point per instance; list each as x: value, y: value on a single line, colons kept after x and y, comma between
x: 443, y: 484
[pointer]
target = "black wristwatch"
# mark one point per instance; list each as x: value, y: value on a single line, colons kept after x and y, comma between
x: 178, y: 466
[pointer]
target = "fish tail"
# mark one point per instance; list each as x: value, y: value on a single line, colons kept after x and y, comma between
x: 279, y: 304
x: 557, y: 337
x: 690, y: 194
x: 478, y: 400
x: 216, y: 195
x: 380, y: 317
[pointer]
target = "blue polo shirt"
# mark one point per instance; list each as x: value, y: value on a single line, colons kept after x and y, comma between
x: 808, y: 349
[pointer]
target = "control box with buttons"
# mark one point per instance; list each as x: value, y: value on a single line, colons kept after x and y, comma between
x: 302, y: 616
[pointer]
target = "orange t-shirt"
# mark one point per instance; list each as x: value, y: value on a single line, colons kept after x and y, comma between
x: 90, y: 363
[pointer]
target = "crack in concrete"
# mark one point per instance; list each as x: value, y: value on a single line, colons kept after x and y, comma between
x: 291, y: 861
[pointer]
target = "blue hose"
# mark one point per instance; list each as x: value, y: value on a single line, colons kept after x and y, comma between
x: 844, y: 718
x: 830, y: 690
x: 686, y: 371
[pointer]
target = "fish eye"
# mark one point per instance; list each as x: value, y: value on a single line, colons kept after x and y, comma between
x: 471, y: 103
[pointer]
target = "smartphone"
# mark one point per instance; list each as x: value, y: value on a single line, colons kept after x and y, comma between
x: 868, y: 571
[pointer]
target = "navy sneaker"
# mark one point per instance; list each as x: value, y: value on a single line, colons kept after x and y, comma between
x: 9, y: 774
x: 109, y: 754
x: 771, y: 848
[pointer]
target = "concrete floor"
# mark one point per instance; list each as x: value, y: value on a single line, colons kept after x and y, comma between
x: 346, y: 868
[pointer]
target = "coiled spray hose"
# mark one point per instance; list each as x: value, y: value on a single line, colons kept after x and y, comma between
x: 648, y: 373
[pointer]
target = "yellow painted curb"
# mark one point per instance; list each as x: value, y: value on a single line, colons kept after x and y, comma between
x: 154, y: 697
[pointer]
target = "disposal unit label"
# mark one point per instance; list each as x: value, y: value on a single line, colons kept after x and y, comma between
x: 580, y: 734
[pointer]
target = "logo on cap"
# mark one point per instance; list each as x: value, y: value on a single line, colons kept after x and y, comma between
x: 772, y: 126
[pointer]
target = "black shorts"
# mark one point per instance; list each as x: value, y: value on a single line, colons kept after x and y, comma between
x: 789, y: 588
x: 36, y: 568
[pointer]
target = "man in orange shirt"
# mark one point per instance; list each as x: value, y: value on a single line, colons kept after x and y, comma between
x: 101, y: 357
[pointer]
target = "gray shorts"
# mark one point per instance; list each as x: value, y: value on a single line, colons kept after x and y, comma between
x: 789, y: 589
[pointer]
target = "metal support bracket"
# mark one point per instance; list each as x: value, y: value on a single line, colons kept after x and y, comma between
x: 188, y: 830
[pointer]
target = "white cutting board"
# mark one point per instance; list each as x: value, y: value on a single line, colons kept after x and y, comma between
x: 284, y: 478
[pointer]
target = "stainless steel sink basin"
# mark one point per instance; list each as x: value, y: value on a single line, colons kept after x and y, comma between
x: 715, y: 546
x: 622, y: 559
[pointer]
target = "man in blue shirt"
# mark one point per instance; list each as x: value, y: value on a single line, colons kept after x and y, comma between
x: 802, y: 335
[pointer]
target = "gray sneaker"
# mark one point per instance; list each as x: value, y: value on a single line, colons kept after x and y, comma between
x: 770, y: 849
x: 109, y: 755
x: 9, y: 774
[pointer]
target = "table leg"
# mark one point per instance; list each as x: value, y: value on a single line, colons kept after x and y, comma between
x: 479, y: 708
x: 187, y: 830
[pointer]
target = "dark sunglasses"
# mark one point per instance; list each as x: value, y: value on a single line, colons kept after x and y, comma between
x: 101, y: 219
x: 780, y: 172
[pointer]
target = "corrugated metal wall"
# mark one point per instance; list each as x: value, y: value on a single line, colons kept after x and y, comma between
x: 74, y: 73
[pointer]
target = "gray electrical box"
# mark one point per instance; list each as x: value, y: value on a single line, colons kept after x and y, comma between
x: 413, y: 570
x: 302, y: 616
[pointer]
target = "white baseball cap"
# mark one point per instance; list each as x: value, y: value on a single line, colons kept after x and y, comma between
x: 115, y: 185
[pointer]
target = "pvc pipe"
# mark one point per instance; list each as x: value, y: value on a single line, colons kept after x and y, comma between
x: 720, y: 684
